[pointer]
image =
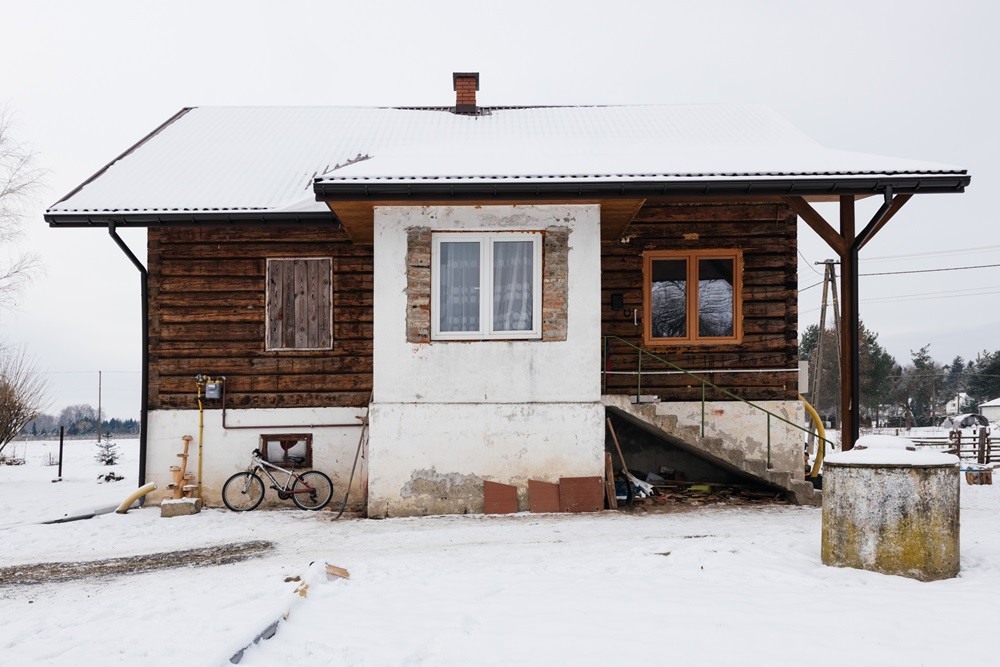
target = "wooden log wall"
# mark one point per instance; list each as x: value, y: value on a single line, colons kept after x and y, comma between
x: 207, y: 315
x: 766, y: 234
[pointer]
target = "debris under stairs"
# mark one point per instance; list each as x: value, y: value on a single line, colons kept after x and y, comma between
x: 665, y: 429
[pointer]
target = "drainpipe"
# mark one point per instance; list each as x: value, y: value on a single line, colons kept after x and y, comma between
x: 144, y: 394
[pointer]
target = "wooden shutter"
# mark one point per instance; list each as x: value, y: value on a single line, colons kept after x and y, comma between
x: 299, y: 304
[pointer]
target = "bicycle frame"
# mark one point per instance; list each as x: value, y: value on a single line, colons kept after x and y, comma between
x: 284, y: 492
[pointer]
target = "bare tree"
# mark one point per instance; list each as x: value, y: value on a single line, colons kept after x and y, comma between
x: 19, y: 180
x: 24, y: 393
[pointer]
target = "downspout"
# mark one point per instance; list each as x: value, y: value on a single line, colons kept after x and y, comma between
x: 144, y: 393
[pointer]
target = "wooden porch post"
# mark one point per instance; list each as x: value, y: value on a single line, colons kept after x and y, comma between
x: 847, y: 244
x: 850, y: 367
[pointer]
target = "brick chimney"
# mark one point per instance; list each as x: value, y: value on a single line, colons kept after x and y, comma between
x: 466, y: 84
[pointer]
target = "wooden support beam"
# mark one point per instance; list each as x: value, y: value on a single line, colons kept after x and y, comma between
x: 850, y: 366
x: 818, y: 223
x: 878, y: 222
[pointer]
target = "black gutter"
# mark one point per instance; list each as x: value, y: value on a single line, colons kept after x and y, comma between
x: 144, y: 393
x: 171, y: 219
x: 524, y: 187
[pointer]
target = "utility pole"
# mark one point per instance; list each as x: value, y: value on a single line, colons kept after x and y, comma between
x: 829, y: 287
x: 99, y: 387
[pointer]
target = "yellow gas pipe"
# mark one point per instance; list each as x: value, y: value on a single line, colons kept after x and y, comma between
x: 201, y: 428
x: 821, y: 448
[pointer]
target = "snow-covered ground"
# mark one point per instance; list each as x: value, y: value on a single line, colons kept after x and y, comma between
x: 715, y: 585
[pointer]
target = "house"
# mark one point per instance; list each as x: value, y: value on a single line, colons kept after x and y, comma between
x: 958, y: 404
x: 990, y: 410
x: 481, y: 286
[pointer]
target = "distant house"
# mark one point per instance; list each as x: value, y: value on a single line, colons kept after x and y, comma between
x: 958, y: 404
x: 484, y: 285
x: 990, y: 409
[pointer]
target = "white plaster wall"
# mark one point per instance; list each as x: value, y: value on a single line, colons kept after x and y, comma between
x: 448, y: 415
x: 228, y: 451
x: 488, y: 371
x: 740, y: 425
x: 433, y: 458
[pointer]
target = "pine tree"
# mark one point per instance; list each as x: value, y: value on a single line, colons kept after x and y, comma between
x: 107, y: 451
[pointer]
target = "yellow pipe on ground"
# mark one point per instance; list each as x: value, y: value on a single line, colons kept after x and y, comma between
x: 139, y: 493
x: 821, y: 448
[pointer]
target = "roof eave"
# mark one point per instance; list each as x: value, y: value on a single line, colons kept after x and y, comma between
x: 213, y: 218
x: 709, y: 187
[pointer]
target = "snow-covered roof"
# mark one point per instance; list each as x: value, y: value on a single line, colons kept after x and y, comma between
x: 268, y: 160
x: 991, y: 404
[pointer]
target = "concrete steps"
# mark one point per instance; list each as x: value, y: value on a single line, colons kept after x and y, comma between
x: 714, y: 449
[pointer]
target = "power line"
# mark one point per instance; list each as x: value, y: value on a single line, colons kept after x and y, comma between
x: 950, y: 268
x: 808, y: 263
x: 929, y: 296
x: 934, y: 253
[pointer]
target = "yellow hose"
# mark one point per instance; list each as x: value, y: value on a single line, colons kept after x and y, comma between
x: 139, y: 493
x: 821, y: 448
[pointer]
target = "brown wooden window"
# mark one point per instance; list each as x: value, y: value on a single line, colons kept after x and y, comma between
x: 692, y: 297
x: 300, y: 304
x: 277, y: 448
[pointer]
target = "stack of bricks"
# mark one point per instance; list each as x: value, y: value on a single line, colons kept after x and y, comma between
x: 555, y: 283
x: 418, y: 285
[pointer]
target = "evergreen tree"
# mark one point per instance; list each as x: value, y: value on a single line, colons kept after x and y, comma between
x: 984, y: 377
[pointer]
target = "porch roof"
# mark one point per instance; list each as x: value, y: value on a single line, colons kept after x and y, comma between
x: 270, y: 163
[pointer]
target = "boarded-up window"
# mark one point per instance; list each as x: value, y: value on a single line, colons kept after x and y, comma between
x: 300, y: 304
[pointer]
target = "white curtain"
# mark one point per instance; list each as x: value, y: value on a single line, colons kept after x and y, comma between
x: 512, y: 289
x: 459, y: 298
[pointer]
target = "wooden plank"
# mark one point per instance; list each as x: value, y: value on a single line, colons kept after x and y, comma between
x: 543, y: 496
x: 614, y: 439
x: 499, y: 498
x: 609, y: 482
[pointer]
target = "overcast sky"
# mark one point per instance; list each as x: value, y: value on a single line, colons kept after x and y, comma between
x: 909, y: 79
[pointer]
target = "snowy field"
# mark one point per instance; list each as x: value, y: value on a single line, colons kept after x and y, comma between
x: 710, y: 586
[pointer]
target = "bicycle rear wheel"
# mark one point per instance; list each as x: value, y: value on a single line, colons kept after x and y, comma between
x: 318, y: 497
x: 243, y: 492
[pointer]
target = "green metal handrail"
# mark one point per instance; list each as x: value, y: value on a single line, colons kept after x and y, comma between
x: 704, y: 383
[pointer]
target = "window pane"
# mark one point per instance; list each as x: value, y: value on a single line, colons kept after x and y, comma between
x: 513, y: 272
x: 715, y: 298
x: 668, y: 298
x: 459, y: 297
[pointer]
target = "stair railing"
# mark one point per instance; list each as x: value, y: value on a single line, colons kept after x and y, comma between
x: 705, y: 384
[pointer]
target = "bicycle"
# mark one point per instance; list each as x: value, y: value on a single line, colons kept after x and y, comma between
x: 244, y: 491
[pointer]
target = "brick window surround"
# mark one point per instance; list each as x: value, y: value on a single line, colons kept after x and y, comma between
x: 555, y: 270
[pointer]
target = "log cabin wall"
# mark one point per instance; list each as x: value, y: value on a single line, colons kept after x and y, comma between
x: 766, y: 233
x: 207, y: 315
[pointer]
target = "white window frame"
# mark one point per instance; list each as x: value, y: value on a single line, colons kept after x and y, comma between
x: 486, y: 241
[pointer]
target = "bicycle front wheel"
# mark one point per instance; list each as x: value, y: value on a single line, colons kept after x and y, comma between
x: 243, y: 492
x: 319, y: 493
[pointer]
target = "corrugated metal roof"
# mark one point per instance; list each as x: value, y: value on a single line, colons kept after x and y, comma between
x: 266, y: 159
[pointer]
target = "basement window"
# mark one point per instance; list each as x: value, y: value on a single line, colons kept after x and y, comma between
x: 299, y: 304
x: 692, y: 297
x: 486, y: 286
x: 278, y: 448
